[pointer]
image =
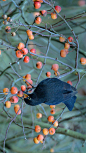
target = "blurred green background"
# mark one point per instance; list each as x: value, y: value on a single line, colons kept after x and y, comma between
x: 75, y: 120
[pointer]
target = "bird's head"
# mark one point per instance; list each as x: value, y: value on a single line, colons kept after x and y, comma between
x: 32, y: 99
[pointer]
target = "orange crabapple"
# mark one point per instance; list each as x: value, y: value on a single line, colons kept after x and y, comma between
x: 33, y: 50
x: 51, y: 131
x: 29, y: 83
x: 58, y: 9
x: 8, y: 29
x: 14, y: 90
x: 52, y: 111
x: 51, y: 150
x: 43, y: 12
x: 39, y: 115
x: 14, y: 99
x: 67, y: 46
x: 16, y: 109
x: 70, y: 39
x: 52, y: 106
x: 24, y: 51
x: 37, y: 128
x: 38, y: 20
x: 28, y: 76
x: 20, y: 46
x: 40, y: 137
x: 19, y: 54
x: 54, y: 16
x: 41, y: 1
x: 69, y: 82
x: 5, y: 91
x: 55, y: 124
x: 31, y: 37
x: 50, y: 118
x: 39, y: 64
x: 61, y: 39
x: 83, y: 60
x: 63, y: 53
x: 37, y: 5
x: 48, y: 74
x: 45, y: 131
x: 20, y: 94
x: 29, y: 32
x: 55, y: 67
x: 36, y: 140
x: 23, y: 87
x: 8, y: 104
x: 26, y: 59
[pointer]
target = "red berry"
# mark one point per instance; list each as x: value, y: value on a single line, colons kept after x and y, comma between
x: 58, y: 9
x: 83, y: 61
x: 24, y: 51
x: 16, y: 109
x: 14, y: 99
x: 40, y: 137
x: 54, y: 16
x: 26, y: 59
x: 70, y: 39
x: 23, y: 87
x: 36, y: 141
x: 5, y: 91
x: 29, y: 32
x: 43, y: 12
x: 14, y: 90
x: 39, y: 115
x: 48, y: 74
x: 20, y: 94
x: 19, y: 54
x: 39, y: 65
x: 29, y: 82
x: 50, y: 118
x: 45, y: 131
x: 51, y: 131
x: 33, y: 51
x: 37, y: 128
x: 63, y: 53
x: 28, y: 76
x: 8, y: 104
x: 61, y: 39
x: 20, y: 46
x: 37, y: 5
x: 38, y: 20
x: 67, y: 46
x: 55, y: 67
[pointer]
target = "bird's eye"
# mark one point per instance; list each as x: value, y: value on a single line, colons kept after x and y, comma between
x: 29, y: 98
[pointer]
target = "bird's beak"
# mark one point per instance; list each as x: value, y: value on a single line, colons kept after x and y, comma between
x: 25, y: 95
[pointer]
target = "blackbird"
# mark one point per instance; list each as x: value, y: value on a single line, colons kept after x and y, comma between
x: 52, y: 91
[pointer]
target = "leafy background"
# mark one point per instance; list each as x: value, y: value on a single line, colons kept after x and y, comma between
x: 75, y: 120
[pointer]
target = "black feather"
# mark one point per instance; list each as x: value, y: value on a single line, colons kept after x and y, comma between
x: 53, y: 91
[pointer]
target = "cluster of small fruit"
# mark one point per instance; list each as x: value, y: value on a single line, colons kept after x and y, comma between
x: 45, y: 131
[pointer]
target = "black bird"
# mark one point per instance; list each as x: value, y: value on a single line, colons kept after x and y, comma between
x: 52, y: 91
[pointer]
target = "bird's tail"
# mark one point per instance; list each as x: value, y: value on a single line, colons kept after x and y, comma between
x: 70, y: 103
